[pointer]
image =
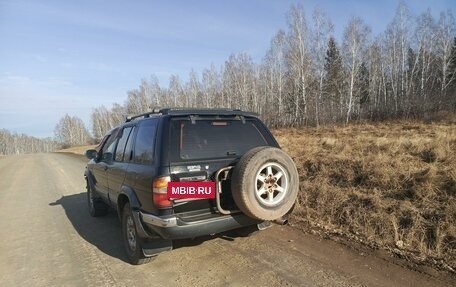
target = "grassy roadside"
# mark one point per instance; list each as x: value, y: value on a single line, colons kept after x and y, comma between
x: 392, y: 186
x: 77, y: 149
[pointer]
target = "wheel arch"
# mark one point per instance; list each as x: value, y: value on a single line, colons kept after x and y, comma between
x: 127, y: 195
x: 89, y: 177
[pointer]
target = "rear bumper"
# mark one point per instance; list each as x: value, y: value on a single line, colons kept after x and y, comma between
x: 175, y: 227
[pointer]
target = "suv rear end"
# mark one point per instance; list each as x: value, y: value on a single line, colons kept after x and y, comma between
x: 197, y: 146
x: 184, y: 146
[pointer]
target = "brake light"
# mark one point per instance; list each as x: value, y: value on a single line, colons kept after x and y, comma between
x: 159, y: 192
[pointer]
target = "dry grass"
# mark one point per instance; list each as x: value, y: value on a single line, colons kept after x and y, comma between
x: 391, y: 185
x: 78, y: 149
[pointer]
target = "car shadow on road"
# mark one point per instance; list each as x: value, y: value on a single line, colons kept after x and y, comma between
x: 102, y: 232
x: 105, y: 232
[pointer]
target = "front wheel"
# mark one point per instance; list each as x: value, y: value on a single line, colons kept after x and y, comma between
x: 132, y: 242
x: 96, y: 206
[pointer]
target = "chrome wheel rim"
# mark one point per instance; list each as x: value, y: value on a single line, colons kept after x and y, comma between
x: 271, y: 184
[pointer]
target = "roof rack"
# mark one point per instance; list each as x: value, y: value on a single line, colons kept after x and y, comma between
x: 192, y: 112
x: 144, y: 115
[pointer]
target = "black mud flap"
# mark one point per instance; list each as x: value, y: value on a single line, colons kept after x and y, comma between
x: 152, y: 244
x: 156, y: 246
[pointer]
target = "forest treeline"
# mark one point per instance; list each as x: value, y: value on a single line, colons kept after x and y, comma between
x: 307, y: 77
x: 13, y: 143
x: 69, y: 131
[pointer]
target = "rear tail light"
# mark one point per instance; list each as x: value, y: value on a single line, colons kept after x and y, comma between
x: 159, y: 192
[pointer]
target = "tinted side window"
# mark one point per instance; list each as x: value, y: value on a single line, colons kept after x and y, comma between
x: 102, y: 143
x: 128, y: 154
x: 119, y: 155
x: 108, y: 147
x: 145, y: 142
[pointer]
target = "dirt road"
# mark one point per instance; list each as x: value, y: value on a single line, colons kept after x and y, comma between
x: 47, y: 238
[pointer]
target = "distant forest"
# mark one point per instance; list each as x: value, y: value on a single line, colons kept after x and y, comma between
x: 308, y: 78
x: 14, y: 143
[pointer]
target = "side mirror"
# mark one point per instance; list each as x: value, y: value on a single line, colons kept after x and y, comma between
x: 107, y: 157
x: 91, y: 154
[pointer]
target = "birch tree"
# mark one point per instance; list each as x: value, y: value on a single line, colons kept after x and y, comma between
x: 376, y: 81
x: 425, y: 34
x: 445, y: 42
x: 71, y: 131
x: 321, y: 33
x: 211, y: 88
x: 299, y: 62
x: 355, y: 47
x: 193, y: 88
x: 397, y: 43
x: 139, y: 100
x: 155, y: 92
x: 273, y: 78
x: 176, y: 92
x: 239, y: 79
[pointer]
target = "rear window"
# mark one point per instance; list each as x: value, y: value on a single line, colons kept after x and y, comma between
x: 205, y: 139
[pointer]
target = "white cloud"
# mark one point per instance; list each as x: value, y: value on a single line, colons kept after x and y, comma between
x: 39, y: 58
x: 19, y: 82
x: 100, y: 67
x: 67, y: 65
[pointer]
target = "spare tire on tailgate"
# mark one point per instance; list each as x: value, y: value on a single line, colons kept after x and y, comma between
x: 265, y: 183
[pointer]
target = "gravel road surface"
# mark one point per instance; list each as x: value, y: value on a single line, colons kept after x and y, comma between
x: 47, y: 238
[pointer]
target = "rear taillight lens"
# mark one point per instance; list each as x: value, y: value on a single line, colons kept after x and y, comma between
x: 159, y: 192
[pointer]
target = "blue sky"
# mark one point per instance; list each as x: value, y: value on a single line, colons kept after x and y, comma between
x: 59, y: 57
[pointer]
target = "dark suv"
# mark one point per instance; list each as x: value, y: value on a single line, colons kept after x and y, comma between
x: 256, y: 182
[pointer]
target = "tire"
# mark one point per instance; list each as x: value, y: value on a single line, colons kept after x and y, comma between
x: 265, y: 183
x: 132, y: 242
x: 96, y: 206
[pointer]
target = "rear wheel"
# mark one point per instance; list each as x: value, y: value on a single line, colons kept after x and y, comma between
x: 265, y: 183
x: 96, y: 206
x: 132, y: 242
